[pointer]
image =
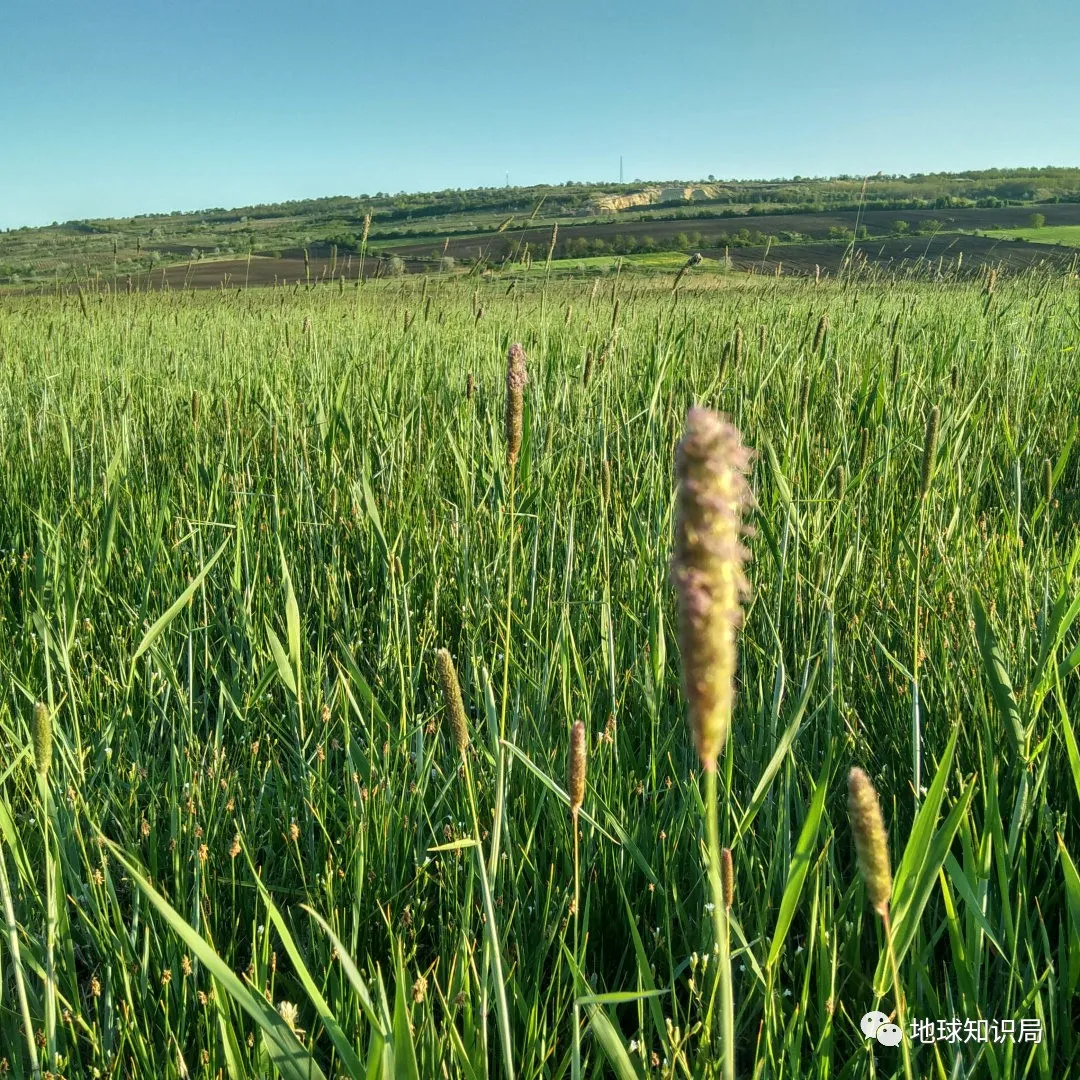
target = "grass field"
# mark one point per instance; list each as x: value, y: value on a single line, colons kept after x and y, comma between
x: 237, y: 527
x: 1069, y: 235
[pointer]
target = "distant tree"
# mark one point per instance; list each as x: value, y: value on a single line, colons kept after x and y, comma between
x: 1038, y: 221
x: 446, y: 263
x: 899, y: 227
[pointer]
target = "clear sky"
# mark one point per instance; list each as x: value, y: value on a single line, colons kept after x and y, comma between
x: 116, y: 108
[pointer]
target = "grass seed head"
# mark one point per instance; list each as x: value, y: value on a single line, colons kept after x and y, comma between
x: 576, y: 768
x: 455, y: 707
x: 727, y: 878
x: 871, y: 841
x: 707, y: 571
x: 42, y: 738
x: 1048, y: 481
x: 933, y: 421
x: 515, y: 399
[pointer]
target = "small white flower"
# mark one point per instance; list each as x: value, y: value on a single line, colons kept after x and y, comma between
x: 710, y: 908
x: 799, y: 949
x: 434, y: 773
x: 787, y: 993
x: 633, y: 1046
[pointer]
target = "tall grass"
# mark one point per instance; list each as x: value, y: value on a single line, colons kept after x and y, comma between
x: 237, y: 526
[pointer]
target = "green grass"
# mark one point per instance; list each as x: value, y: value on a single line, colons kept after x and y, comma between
x: 1068, y: 235
x: 237, y: 527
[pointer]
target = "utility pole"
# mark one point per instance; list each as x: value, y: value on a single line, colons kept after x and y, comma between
x: 620, y: 168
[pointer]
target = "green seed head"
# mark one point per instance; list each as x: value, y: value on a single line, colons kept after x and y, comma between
x: 871, y: 841
x: 455, y: 707
x: 929, y: 448
x: 42, y: 738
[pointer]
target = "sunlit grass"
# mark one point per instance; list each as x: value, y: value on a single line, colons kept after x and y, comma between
x: 233, y: 610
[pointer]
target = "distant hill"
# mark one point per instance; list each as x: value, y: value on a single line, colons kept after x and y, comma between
x: 451, y: 222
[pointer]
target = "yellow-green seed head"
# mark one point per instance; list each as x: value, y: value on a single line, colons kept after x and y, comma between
x: 871, y: 840
x: 576, y: 768
x: 42, y: 737
x: 707, y: 571
x: 455, y: 707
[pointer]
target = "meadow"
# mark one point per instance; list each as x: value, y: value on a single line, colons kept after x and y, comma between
x: 1067, y: 235
x: 238, y: 836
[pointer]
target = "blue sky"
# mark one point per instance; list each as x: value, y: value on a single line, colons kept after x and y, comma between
x: 121, y: 108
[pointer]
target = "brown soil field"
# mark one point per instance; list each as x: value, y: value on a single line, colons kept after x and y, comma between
x: 812, y: 225
x: 905, y: 253
x: 237, y: 273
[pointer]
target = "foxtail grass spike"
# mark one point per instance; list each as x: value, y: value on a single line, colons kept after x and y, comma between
x: 871, y: 841
x: 707, y: 571
x: 576, y: 769
x: 929, y: 449
x: 515, y: 396
x: 727, y: 878
x: 455, y: 707
x: 1048, y: 481
x: 42, y: 738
